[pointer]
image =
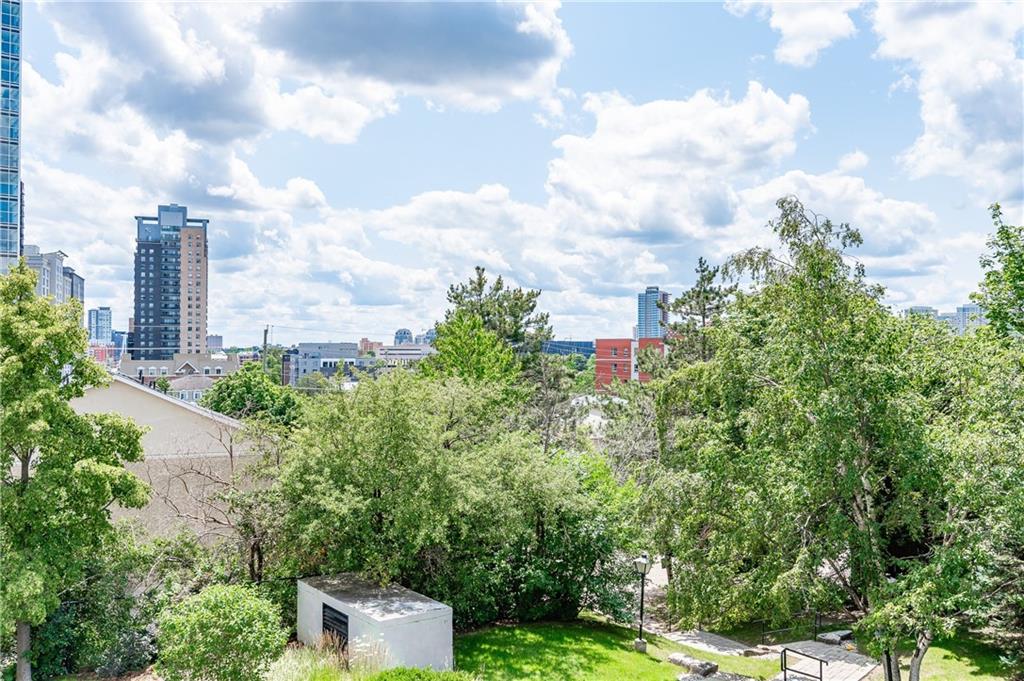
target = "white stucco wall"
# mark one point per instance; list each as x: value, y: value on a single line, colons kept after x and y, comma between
x: 187, y: 450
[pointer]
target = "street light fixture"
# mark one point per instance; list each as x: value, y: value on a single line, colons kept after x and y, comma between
x: 642, y: 565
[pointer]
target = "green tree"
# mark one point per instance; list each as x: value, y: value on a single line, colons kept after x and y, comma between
x: 418, y: 480
x: 1002, y: 289
x: 698, y: 309
x: 274, y: 354
x: 830, y: 453
x: 250, y: 393
x: 60, y: 472
x: 466, y: 349
x: 162, y: 384
x: 223, y: 633
x: 508, y: 312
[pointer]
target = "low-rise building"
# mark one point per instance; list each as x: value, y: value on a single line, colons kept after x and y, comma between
x: 310, y: 358
x: 568, y: 347
x: 404, y: 355
x: 191, y: 387
x: 180, y: 364
x: 191, y: 455
x: 616, y: 360
x: 367, y: 346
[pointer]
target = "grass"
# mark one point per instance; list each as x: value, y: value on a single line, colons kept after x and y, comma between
x: 590, y: 650
x: 584, y: 650
x: 964, y: 658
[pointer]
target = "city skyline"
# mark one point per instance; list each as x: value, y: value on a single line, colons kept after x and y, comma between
x: 580, y: 160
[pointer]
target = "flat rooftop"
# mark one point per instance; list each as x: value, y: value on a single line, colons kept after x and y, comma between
x: 378, y: 602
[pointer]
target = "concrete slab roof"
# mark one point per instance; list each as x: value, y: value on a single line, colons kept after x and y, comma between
x: 380, y: 603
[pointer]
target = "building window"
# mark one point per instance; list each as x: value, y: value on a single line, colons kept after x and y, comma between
x: 217, y: 371
x: 615, y: 368
x: 206, y: 370
x: 152, y: 371
x: 197, y: 394
x: 615, y: 352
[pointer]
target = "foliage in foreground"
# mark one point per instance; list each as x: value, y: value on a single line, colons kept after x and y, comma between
x: 223, y: 633
x: 60, y: 472
x: 415, y: 480
x: 830, y: 454
x: 413, y: 674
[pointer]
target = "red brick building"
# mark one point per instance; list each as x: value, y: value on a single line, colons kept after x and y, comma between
x: 616, y: 360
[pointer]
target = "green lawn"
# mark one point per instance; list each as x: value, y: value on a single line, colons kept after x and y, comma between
x: 960, y: 659
x: 585, y: 650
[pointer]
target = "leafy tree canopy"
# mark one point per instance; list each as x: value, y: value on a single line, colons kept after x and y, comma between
x: 250, y: 393
x: 1002, y: 289
x: 60, y: 471
x: 830, y: 453
x: 466, y: 349
x: 508, y: 312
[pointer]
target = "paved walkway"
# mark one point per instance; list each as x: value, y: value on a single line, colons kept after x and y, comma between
x: 705, y: 640
x: 843, y: 664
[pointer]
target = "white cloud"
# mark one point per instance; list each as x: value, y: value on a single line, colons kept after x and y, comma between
x: 855, y: 160
x: 970, y: 80
x: 668, y: 166
x: 806, y: 28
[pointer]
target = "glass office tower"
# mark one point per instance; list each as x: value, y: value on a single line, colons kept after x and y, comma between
x: 651, y: 315
x: 11, y: 222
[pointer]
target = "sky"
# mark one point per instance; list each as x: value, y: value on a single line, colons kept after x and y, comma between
x: 354, y: 160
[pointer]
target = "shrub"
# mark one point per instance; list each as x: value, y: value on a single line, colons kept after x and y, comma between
x: 223, y: 633
x: 413, y: 674
x: 132, y: 650
x: 309, y: 664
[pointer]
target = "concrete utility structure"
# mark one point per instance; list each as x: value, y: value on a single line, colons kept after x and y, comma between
x: 386, y: 627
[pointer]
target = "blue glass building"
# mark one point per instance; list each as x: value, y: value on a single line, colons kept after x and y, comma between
x: 651, y: 315
x: 11, y: 222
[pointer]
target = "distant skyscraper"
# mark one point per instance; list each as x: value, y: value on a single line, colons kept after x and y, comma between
x: 403, y: 336
x: 11, y: 224
x: 651, y: 320
x: 53, y: 277
x: 969, y: 316
x: 170, y: 284
x: 215, y: 342
x: 100, y: 325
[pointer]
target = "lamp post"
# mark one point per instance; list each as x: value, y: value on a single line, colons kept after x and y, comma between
x: 642, y: 566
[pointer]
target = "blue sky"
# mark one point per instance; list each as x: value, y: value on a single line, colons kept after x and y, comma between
x: 354, y: 160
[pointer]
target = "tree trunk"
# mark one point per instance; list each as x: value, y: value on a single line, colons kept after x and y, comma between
x: 924, y: 640
x: 891, y: 665
x: 22, y: 647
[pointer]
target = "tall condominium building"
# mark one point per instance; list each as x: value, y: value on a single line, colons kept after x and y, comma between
x: 11, y: 222
x: 651, y: 319
x: 403, y: 336
x: 100, y: 325
x: 215, y: 342
x: 170, y: 284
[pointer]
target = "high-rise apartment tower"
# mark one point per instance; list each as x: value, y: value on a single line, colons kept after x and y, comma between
x: 651, y: 318
x: 170, y: 284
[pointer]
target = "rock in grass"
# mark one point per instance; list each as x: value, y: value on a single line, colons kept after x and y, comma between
x: 835, y: 637
x: 701, y: 668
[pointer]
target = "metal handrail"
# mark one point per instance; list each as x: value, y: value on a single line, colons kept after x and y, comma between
x: 816, y: 623
x: 784, y: 664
